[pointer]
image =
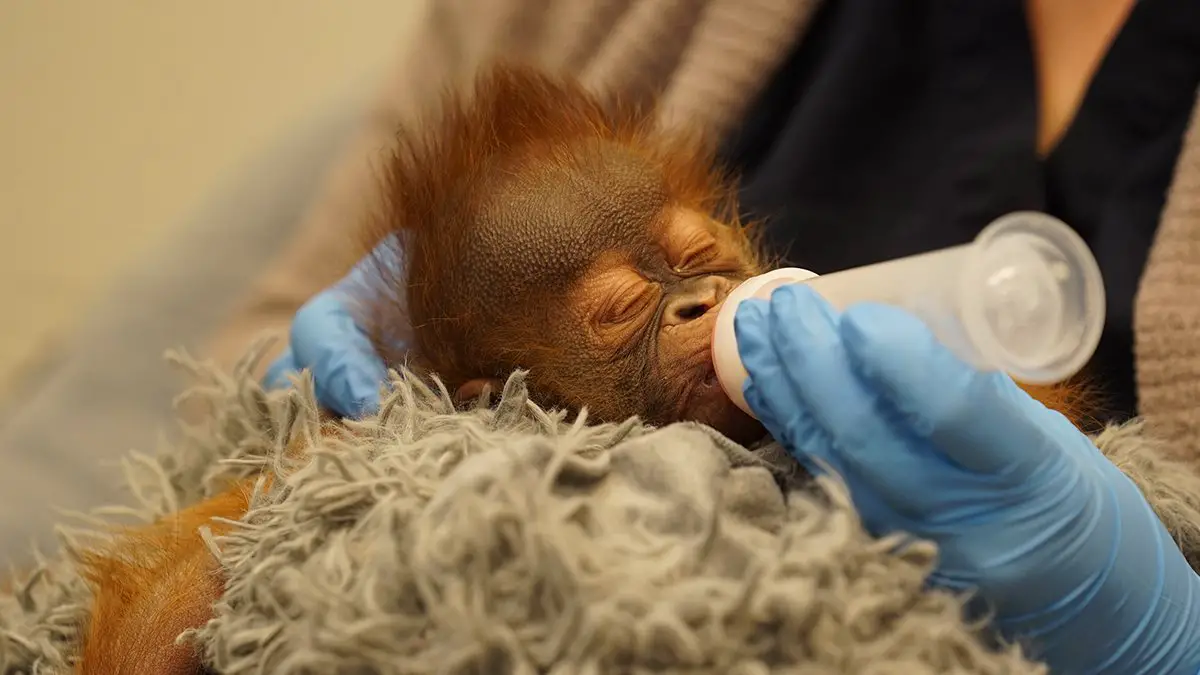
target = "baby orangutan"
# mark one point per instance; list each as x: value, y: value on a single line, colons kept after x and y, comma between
x: 535, y: 227
x: 539, y: 228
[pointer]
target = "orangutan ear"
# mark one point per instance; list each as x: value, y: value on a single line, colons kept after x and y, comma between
x: 472, y: 389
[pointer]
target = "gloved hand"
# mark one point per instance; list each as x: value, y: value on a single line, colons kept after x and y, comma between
x: 326, y: 339
x: 1025, y: 509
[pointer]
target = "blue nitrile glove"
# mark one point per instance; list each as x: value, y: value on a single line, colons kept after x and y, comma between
x: 1025, y: 509
x: 326, y: 339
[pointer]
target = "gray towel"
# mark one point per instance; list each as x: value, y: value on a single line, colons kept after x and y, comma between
x: 506, y: 538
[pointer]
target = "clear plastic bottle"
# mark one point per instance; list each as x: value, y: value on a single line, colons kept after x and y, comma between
x: 1025, y: 297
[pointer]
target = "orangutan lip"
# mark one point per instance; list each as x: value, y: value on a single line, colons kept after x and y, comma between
x: 702, y: 385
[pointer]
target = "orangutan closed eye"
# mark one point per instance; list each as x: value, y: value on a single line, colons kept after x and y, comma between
x: 538, y: 228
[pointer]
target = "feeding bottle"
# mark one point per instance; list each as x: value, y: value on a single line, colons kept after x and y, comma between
x: 1025, y: 297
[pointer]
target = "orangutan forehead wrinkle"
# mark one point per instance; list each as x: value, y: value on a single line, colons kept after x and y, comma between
x: 541, y: 227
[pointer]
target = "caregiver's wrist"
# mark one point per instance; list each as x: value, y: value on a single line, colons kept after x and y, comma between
x: 1138, y: 613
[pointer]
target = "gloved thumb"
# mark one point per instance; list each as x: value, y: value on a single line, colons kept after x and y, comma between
x: 980, y: 420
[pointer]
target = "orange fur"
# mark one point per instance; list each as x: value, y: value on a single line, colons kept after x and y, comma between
x: 158, y: 581
x: 1072, y: 398
x: 153, y: 584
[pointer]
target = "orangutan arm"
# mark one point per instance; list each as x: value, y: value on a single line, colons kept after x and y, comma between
x: 151, y: 585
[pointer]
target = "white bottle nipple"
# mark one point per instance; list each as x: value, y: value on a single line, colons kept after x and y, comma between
x: 727, y: 363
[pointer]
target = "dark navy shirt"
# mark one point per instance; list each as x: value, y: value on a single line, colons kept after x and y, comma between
x: 901, y: 126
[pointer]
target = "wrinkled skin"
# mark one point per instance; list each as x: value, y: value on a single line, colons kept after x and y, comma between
x: 644, y: 281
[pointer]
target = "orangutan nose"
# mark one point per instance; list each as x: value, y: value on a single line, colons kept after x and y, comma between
x: 693, y: 298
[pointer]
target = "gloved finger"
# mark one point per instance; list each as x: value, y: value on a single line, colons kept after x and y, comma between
x: 277, y: 375
x: 780, y: 412
x: 766, y: 363
x: 871, y: 441
x: 766, y: 389
x: 980, y: 420
x: 750, y: 328
x: 804, y: 440
x: 384, y: 264
x: 813, y: 449
x: 378, y: 279
x: 347, y: 373
x: 814, y: 372
x: 773, y: 400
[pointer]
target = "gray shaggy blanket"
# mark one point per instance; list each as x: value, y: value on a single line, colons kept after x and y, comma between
x: 510, y: 539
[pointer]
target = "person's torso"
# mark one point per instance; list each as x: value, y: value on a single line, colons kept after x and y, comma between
x: 900, y: 127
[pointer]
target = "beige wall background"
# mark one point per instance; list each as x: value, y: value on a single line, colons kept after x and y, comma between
x: 116, y: 117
